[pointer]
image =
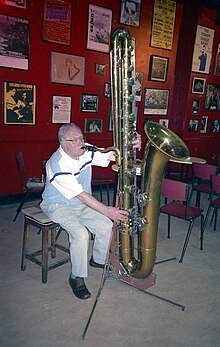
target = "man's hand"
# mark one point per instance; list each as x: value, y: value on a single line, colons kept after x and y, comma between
x: 115, y: 214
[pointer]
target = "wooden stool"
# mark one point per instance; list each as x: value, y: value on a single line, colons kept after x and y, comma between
x: 34, y: 216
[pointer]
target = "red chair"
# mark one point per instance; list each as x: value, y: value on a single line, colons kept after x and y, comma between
x: 179, y: 207
x: 214, y: 201
x: 202, y: 180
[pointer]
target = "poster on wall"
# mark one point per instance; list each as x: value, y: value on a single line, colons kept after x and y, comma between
x: 19, y: 103
x: 156, y: 101
x: 163, y: 24
x: 61, y: 109
x: 14, y: 42
x: 15, y: 3
x: 57, y: 19
x: 202, y: 54
x: 130, y: 12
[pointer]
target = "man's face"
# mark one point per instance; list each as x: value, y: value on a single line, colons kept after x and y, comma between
x: 73, y: 148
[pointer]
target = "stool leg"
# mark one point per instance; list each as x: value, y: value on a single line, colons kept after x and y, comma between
x: 107, y: 188
x: 100, y: 190
x: 25, y: 244
x: 44, y: 254
x: 53, y: 243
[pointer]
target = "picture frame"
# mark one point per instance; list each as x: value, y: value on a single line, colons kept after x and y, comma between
x: 202, y: 53
x: 164, y: 122
x: 89, y: 102
x: 130, y: 13
x: 93, y: 125
x: 67, y: 68
x: 156, y: 101
x: 139, y: 78
x: 217, y: 62
x: 19, y: 100
x: 61, y: 109
x: 148, y: 120
x: 57, y: 21
x: 99, y: 28
x: 158, y: 68
x: 15, y: 3
x: 211, y: 103
x: 215, y: 126
x: 195, y: 106
x: 15, y: 42
x: 198, y: 85
x: 203, y: 124
x: 107, y: 90
x: 193, y: 125
x: 100, y: 69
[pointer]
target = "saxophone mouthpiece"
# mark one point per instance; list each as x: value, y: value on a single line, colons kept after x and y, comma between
x: 89, y: 148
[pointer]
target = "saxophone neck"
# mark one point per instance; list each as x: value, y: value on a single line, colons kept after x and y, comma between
x: 105, y: 150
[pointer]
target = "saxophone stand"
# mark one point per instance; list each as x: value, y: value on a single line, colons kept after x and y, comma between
x: 110, y: 271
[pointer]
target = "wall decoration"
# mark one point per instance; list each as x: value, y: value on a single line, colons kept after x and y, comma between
x: 198, y: 85
x: 163, y: 24
x: 217, y: 62
x: 93, y: 125
x: 193, y: 125
x: 164, y: 122
x: 148, y: 120
x: 202, y: 54
x: 61, y: 109
x: 100, y: 69
x: 212, y: 97
x: 130, y: 12
x: 89, y: 103
x: 195, y: 106
x: 156, y: 101
x: 215, y: 126
x: 14, y: 43
x: 99, y: 28
x: 57, y: 19
x: 67, y: 68
x: 15, y: 3
x: 19, y: 103
x: 204, y: 122
x: 158, y: 68
x: 107, y: 90
x: 139, y: 77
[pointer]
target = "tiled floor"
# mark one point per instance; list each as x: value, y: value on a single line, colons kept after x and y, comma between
x: 45, y: 315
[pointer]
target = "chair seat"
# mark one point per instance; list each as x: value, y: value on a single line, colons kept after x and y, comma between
x: 216, y: 203
x: 35, y: 183
x: 37, y: 214
x: 181, y: 211
x: 203, y: 187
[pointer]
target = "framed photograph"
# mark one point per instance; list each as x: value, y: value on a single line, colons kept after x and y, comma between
x: 93, y: 126
x: 212, y: 97
x: 195, y: 106
x: 19, y: 103
x: 158, y: 68
x: 156, y: 101
x: 148, y: 120
x: 107, y: 90
x: 89, y: 103
x: 164, y: 122
x: 15, y: 42
x: 57, y: 21
x: 130, y: 13
x: 99, y: 28
x: 217, y: 62
x: 193, y: 125
x: 100, y: 69
x: 215, y: 126
x: 204, y: 122
x: 67, y: 68
x: 61, y: 109
x: 202, y: 54
x: 15, y: 3
x: 198, y: 85
x: 139, y: 77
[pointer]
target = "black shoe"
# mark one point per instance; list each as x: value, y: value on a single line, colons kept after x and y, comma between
x: 79, y: 288
x: 94, y: 264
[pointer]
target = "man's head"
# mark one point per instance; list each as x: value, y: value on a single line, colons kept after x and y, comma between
x: 71, y: 140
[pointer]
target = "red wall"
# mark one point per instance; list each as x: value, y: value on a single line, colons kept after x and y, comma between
x: 39, y: 141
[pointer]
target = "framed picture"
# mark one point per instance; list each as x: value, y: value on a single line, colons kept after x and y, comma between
x: 57, y: 20
x: 193, y: 125
x: 15, y: 3
x: 215, y: 126
x: 204, y: 122
x: 15, y: 42
x: 139, y: 77
x: 156, y: 101
x: 67, y: 68
x: 100, y: 69
x: 212, y: 97
x: 198, y: 85
x: 89, y: 103
x: 195, y: 106
x: 158, y: 68
x: 148, y: 120
x: 202, y: 54
x: 19, y: 103
x: 164, y: 122
x: 99, y: 28
x: 217, y: 62
x: 61, y: 109
x: 107, y: 90
x: 130, y: 12
x: 93, y: 126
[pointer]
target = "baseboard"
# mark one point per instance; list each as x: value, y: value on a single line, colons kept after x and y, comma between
x: 16, y: 198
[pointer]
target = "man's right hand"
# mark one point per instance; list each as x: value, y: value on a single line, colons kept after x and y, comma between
x: 116, y: 214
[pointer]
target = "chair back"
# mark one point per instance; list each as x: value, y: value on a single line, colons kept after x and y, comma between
x: 21, y: 167
x: 174, y: 190
x: 204, y: 171
x: 215, y: 184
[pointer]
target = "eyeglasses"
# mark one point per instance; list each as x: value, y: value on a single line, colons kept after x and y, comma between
x: 77, y: 139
